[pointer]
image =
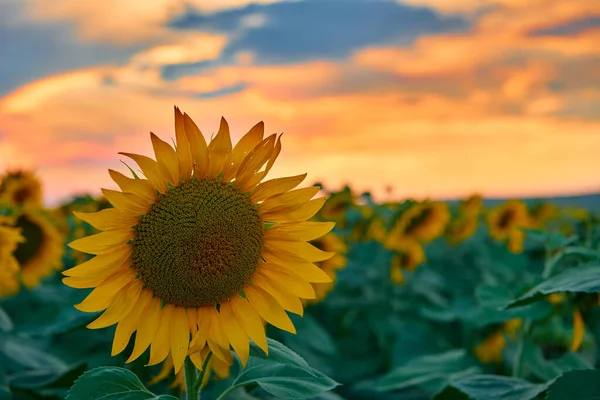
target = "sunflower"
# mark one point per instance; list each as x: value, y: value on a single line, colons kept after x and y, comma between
x: 337, y: 205
x: 462, y: 228
x: 490, y: 350
x: 505, y: 221
x: 409, y: 255
x: 10, y: 238
x: 201, y: 248
x: 334, y: 244
x: 422, y: 221
x: 472, y: 205
x: 21, y: 188
x: 41, y: 252
x: 542, y: 214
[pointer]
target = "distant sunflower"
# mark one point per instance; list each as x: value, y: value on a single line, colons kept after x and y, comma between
x: 334, y: 244
x: 409, y: 255
x: 336, y: 207
x: 10, y: 238
x: 472, y: 205
x: 423, y: 221
x: 462, y: 228
x: 542, y: 214
x: 490, y: 350
x: 505, y: 221
x: 201, y: 247
x: 41, y: 252
x: 21, y: 188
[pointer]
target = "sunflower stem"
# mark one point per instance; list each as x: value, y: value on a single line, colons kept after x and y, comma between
x: 200, y: 378
x: 191, y: 375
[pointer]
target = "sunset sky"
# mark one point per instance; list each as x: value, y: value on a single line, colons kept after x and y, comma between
x: 435, y: 98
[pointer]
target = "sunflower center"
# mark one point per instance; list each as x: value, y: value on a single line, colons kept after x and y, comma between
x: 419, y: 220
x: 34, y: 239
x: 199, y: 244
x: 506, y: 219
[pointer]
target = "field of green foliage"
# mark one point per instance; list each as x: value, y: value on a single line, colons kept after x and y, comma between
x: 429, y: 299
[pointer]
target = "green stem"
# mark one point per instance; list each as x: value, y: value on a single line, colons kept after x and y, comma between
x: 518, y: 366
x: 191, y: 375
x: 200, y: 378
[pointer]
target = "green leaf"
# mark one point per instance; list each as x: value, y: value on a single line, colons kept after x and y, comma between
x: 279, y: 353
x: 25, y: 354
x: 550, y: 369
x: 286, y: 381
x: 5, y: 321
x: 580, y: 279
x: 35, y: 379
x: 431, y: 372
x: 311, y: 334
x: 493, y: 296
x: 495, y: 387
x: 111, y: 383
x: 4, y: 388
x: 580, y: 385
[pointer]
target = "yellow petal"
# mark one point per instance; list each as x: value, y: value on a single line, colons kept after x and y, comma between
x: 287, y: 300
x: 578, y: 331
x: 192, y: 317
x: 102, y: 265
x: 161, y: 344
x: 257, y: 178
x: 130, y: 323
x: 217, y: 340
x: 122, y: 303
x: 90, y: 281
x: 306, y: 271
x: 275, y: 186
x: 294, y: 214
x: 235, y: 333
x: 166, y: 158
x: 218, y: 150
x: 198, y: 147
x: 268, y: 308
x: 126, y: 202
x: 296, y: 251
x: 288, y: 200
x: 141, y: 187
x: 199, y: 339
x: 103, y: 242
x: 299, y: 231
x: 254, y: 161
x: 184, y: 153
x: 151, y: 171
x: 180, y: 337
x: 285, y: 282
x: 109, y: 218
x: 147, y: 329
x: 241, y: 150
x: 100, y: 298
x: 250, y: 321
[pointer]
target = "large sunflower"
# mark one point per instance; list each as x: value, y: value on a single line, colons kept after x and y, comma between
x: 41, y: 252
x: 21, y: 188
x: 201, y: 248
x: 10, y: 238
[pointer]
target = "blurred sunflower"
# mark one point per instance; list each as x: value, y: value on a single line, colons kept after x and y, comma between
x: 490, y: 350
x: 409, y: 255
x: 41, y: 252
x: 471, y: 206
x: 200, y: 246
x: 462, y: 228
x: 336, y: 206
x: 334, y: 244
x: 422, y: 221
x: 504, y: 222
x: 21, y: 188
x: 10, y: 238
x: 541, y: 214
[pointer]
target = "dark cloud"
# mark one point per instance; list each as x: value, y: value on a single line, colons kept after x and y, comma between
x: 316, y: 29
x: 221, y: 92
x: 570, y: 28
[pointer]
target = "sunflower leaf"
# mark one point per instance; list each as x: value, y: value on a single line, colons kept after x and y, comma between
x: 576, y: 385
x: 495, y: 387
x: 279, y: 353
x: 111, y: 383
x: 5, y: 321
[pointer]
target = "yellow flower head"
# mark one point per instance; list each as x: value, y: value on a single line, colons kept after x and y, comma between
x: 10, y: 238
x: 200, y: 249
x: 506, y: 218
x: 410, y: 253
x: 41, y: 252
x: 334, y: 244
x: 471, y: 206
x: 336, y: 206
x: 542, y: 214
x: 462, y: 228
x: 490, y: 350
x: 21, y: 188
x: 423, y: 221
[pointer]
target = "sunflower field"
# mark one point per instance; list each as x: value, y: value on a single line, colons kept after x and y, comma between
x: 203, y: 279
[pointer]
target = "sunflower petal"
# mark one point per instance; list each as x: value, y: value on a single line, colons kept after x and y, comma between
x: 100, y: 298
x: 250, y: 321
x: 147, y: 329
x: 103, y: 242
x: 184, y: 153
x: 296, y: 251
x: 130, y: 323
x: 219, y: 149
x: 268, y: 308
x: 292, y: 199
x: 92, y: 281
x: 235, y: 332
x: 198, y: 147
x: 256, y: 179
x: 166, y: 158
x: 306, y: 271
x: 121, y: 305
x: 287, y: 300
x: 151, y: 171
x: 275, y: 186
x: 254, y: 161
x: 217, y: 340
x: 299, y: 232
x: 287, y: 283
x: 578, y: 331
x: 140, y: 187
x: 126, y: 202
x: 109, y: 218
x: 241, y: 150
x: 180, y: 337
x: 102, y: 265
x: 160, y: 346
x: 303, y: 213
